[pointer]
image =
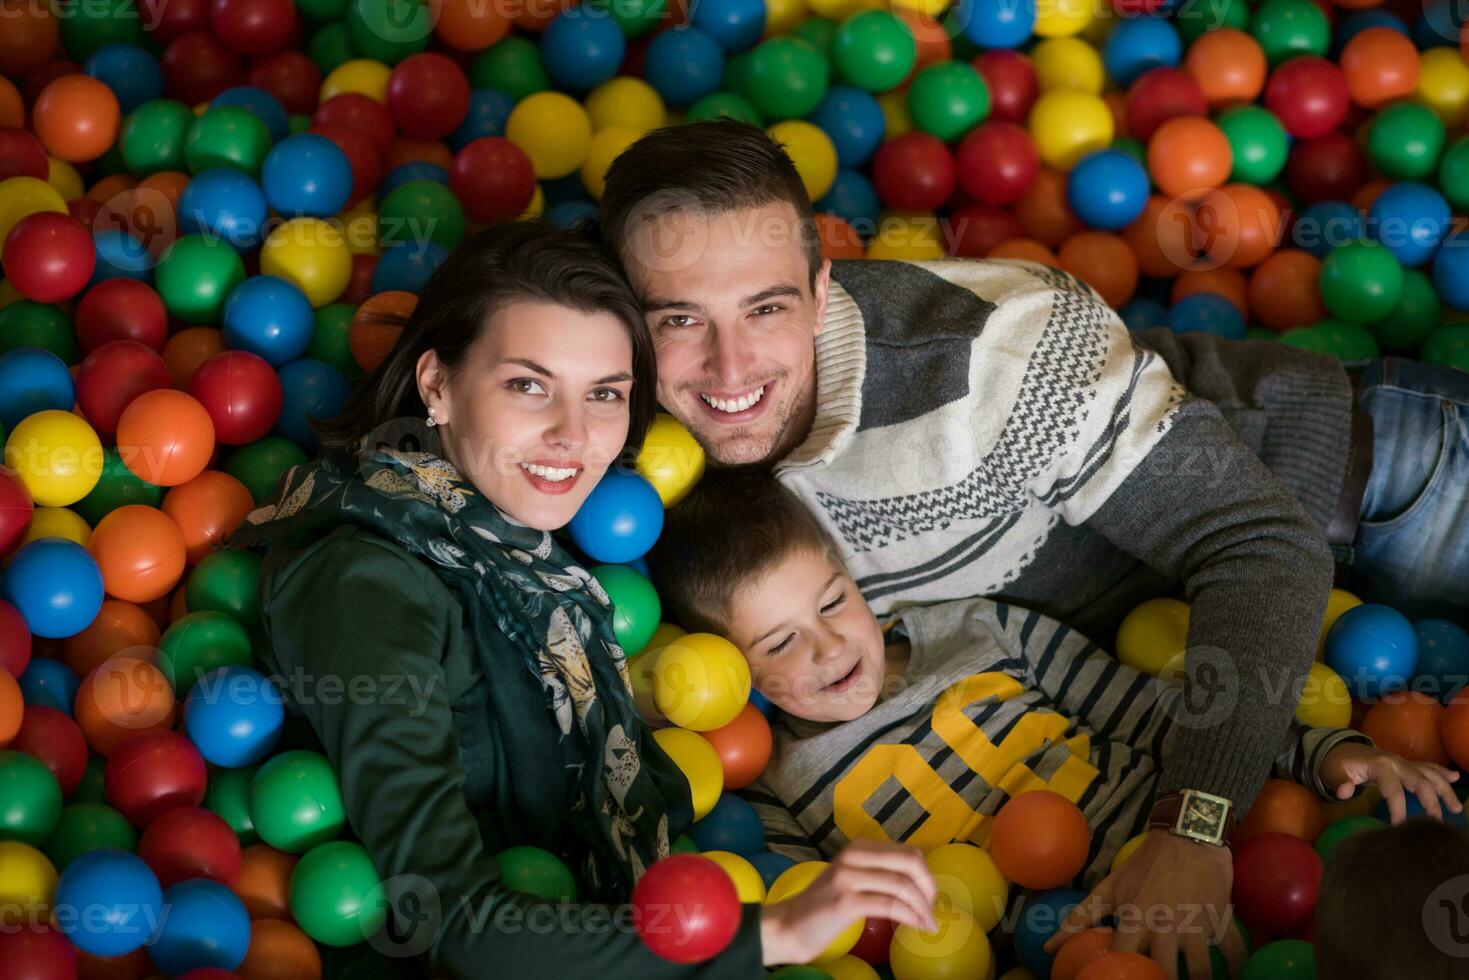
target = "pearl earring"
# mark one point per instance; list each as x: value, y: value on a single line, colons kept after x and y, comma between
x: 431, y: 420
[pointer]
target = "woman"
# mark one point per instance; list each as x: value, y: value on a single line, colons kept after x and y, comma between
x: 457, y: 665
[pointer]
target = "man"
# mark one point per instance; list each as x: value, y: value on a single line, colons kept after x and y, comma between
x: 991, y: 428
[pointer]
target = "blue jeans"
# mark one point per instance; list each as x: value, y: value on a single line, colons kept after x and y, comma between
x: 1411, y: 549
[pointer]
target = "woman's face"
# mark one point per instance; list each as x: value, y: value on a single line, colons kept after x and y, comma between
x: 537, y: 410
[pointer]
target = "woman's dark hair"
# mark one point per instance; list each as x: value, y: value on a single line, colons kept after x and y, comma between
x: 516, y: 261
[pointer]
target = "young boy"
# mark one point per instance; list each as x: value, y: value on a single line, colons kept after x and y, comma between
x: 919, y: 731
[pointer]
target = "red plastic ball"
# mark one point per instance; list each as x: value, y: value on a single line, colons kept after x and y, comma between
x: 997, y: 162
x: 290, y: 76
x: 914, y: 172
x: 1327, y: 168
x: 685, y: 908
x: 16, y: 509
x: 21, y: 154
x: 359, y: 286
x: 1308, y: 95
x: 149, y: 774
x: 1277, y: 879
x: 360, y: 114
x: 876, y: 939
x: 252, y: 26
x: 197, y: 67
x: 190, y: 842
x: 51, y: 736
x: 15, y: 640
x: 113, y: 375
x: 428, y: 96
x: 1158, y: 95
x: 1012, y: 83
x: 35, y: 951
x: 973, y: 230
x: 493, y: 179
x: 48, y: 257
x: 121, y: 309
x: 242, y: 394
x: 366, y: 165
x: 169, y: 20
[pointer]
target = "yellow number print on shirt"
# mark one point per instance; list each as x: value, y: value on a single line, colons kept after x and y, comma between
x: 950, y: 818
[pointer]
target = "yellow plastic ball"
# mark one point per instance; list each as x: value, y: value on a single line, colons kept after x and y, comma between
x: 796, y: 879
x: 1062, y: 18
x: 784, y: 16
x: 8, y: 294
x: 311, y: 254
x: 1153, y: 634
x: 1325, y: 701
x: 607, y: 145
x: 749, y: 886
x: 1068, y: 63
x: 957, y: 950
x: 1127, y: 850
x: 701, y: 681
x: 626, y: 101
x: 968, y: 879
x: 1067, y: 125
x: 907, y: 235
x: 837, y: 10
x: 27, y: 884
x: 359, y: 227
x: 536, y: 207
x: 553, y: 130
x: 671, y: 459
x: 931, y: 9
x: 640, y: 679
x: 24, y: 196
x: 896, y: 117
x: 1338, y: 602
x: 55, y: 522
x: 1443, y: 84
x: 849, y: 967
x: 698, y: 762
x: 64, y: 177
x: 361, y: 75
x: 58, y: 456
x: 812, y: 151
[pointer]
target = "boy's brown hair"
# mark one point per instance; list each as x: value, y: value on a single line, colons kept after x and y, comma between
x: 733, y: 526
x: 1395, y: 904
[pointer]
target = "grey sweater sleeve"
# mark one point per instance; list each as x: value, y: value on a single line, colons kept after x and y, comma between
x: 1256, y: 573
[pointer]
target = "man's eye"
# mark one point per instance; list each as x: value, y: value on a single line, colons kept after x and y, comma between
x: 768, y: 308
x: 678, y: 320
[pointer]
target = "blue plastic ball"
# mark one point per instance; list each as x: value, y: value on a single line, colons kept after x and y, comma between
x: 1438, y: 26
x: 1107, y: 189
x: 1142, y: 313
x: 412, y: 170
x: 684, y: 65
x: 854, y: 121
x: 226, y: 203
x: 133, y: 74
x: 1414, y: 808
x: 268, y: 317
x: 568, y: 213
x: 997, y: 25
x: 761, y: 703
x: 56, y: 585
x: 1374, y: 648
x: 206, y: 925
x: 733, y: 825
x: 1138, y: 44
x: 582, y: 48
x: 121, y: 256
x: 234, y: 715
x: 1410, y: 219
x: 407, y: 266
x: 108, y: 903
x: 1451, y: 271
x: 1325, y: 225
x: 265, y: 106
x: 735, y: 24
x: 1443, y: 658
x: 312, y: 389
x: 1039, y: 921
x: 489, y: 109
x: 1207, y: 313
x: 307, y: 174
x: 563, y: 189
x: 32, y: 379
x: 619, y: 520
x: 51, y: 683
x: 770, y: 866
x: 853, y: 199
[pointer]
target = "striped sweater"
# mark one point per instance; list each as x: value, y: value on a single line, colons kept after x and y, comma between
x: 991, y: 428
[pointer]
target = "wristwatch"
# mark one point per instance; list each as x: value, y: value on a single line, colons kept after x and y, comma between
x: 1193, y: 814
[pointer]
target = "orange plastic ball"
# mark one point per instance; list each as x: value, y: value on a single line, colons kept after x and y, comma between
x: 1380, y: 65
x: 140, y: 551
x: 279, y: 951
x: 110, y: 186
x: 1122, y: 966
x: 119, y: 627
x: 1187, y: 154
x: 12, y: 707
x: 1226, y: 282
x: 1229, y: 66
x: 165, y: 437
x: 1039, y: 839
x: 1408, y: 723
x: 1238, y: 225
x: 31, y: 35
x: 123, y: 697
x: 1367, y: 194
x: 207, y: 509
x: 1104, y: 262
x: 839, y: 240
x: 76, y: 117
x: 263, y: 882
x: 1162, y: 237
x: 169, y: 183
x: 1043, y: 212
x: 12, y: 106
x: 933, y: 41
x: 419, y: 151
x: 1025, y: 248
x: 1284, y: 291
x: 743, y: 747
x: 186, y: 350
x: 1283, y: 807
x: 377, y: 325
x: 468, y: 25
x: 1078, y: 951
x: 1454, y: 729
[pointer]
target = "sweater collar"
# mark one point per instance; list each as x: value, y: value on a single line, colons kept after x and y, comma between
x: 841, y: 366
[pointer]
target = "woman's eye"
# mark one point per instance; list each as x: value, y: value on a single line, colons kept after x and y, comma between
x: 525, y: 386
x: 607, y: 395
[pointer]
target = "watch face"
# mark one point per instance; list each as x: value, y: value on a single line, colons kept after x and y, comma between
x: 1204, y: 817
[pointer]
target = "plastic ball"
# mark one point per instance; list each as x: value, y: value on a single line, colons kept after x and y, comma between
x: 743, y: 746
x: 108, y: 903
x: 1277, y: 878
x: 48, y: 257
x: 854, y: 122
x: 749, y: 886
x: 234, y: 715
x: 1153, y: 635
x: 112, y: 376
x: 733, y: 825
x: 811, y: 151
x: 1137, y: 44
x: 1283, y: 807
x: 582, y: 48
x: 206, y: 926
x: 32, y: 380
x: 312, y: 255
x: 1189, y: 154
x: 701, y: 681
x: 619, y: 520
x: 969, y: 879
x: 166, y: 437
x: 914, y: 172
x: 685, y: 909
x: 336, y: 895
x: 311, y: 389
x: 635, y: 606
x: 76, y: 116
x: 1107, y: 189
x: 958, y: 948
x: 1039, y: 840
x: 22, y: 196
x: 536, y: 872
x: 996, y: 163
x: 119, y: 626
x: 1039, y: 920
x: 1067, y: 125
x: 124, y: 696
x: 428, y: 96
x: 795, y: 880
x: 306, y: 174
x: 1207, y: 313
x: 671, y: 460
x: 1374, y: 648
x: 32, y: 798
x: 947, y: 99
x: 1410, y: 219
x: 1068, y: 62
x: 873, y: 50
x: 295, y: 801
x: 1361, y: 281
x: 1443, y: 658
x: 1325, y: 701
x: 1158, y: 95
x: 190, y: 842
x: 1407, y: 723
x: 197, y: 643
x: 56, y: 586
x: 1380, y: 65
x: 38, y: 952
x: 140, y: 551
x: 195, y: 276
x: 1258, y: 144
x: 229, y: 136
x: 1451, y: 271
x: 989, y: 25
x: 151, y: 773
x: 553, y: 130
x: 684, y: 65
x: 698, y: 762
x: 1228, y: 64
x: 268, y: 317
x: 1405, y: 140
x: 1289, y: 28
x: 241, y: 394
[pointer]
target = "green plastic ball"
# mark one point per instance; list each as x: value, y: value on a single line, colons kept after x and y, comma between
x: 1361, y: 281
x: 536, y: 872
x: 323, y: 9
x: 30, y: 799
x: 199, y: 642
x: 298, y: 123
x: 1405, y: 140
x: 512, y: 66
x: 874, y: 50
x: 295, y: 802
x: 1445, y: 344
x: 331, y: 46
x: 787, y: 78
x: 259, y: 465
x: 948, y: 99
x: 418, y: 211
x: 26, y: 323
x: 1335, y: 833
x: 638, y: 17
x: 228, y: 796
x: 87, y: 25
x: 1308, y: 338
x: 636, y: 610
x: 389, y: 30
x: 1195, y: 17
x: 1259, y: 333
x: 195, y: 277
x: 683, y: 844
x: 93, y: 787
x: 87, y: 827
x: 818, y: 32
x: 1453, y: 174
x: 1416, y: 316
x: 117, y: 487
x: 1134, y: 148
x: 153, y: 135
x: 1287, y: 28
x: 229, y: 136
x: 724, y: 105
x: 1350, y: 341
x: 330, y: 339
x: 336, y: 894
x: 227, y: 581
x: 1258, y: 141
x: 1284, y: 959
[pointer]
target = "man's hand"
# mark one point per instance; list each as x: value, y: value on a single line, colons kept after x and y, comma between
x: 1352, y: 764
x: 1170, y: 897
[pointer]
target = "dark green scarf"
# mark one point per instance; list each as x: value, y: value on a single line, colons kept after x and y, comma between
x: 528, y: 606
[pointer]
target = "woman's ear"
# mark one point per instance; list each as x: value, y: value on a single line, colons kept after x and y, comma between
x: 433, y: 386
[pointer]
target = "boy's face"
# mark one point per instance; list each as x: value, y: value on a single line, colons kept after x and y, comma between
x: 813, y: 645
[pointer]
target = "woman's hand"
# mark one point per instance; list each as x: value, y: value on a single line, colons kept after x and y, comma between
x: 867, y: 878
x: 1352, y: 764
x: 1170, y: 898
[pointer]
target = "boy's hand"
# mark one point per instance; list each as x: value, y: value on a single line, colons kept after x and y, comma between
x: 1352, y: 764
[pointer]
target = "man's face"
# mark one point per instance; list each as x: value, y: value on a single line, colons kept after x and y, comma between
x: 734, y: 318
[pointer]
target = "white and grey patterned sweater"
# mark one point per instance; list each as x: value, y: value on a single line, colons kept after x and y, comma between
x: 991, y: 428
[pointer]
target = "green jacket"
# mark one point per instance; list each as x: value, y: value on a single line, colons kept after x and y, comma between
x: 371, y: 649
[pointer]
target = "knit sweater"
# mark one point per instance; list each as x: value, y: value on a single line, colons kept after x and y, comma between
x: 991, y: 428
